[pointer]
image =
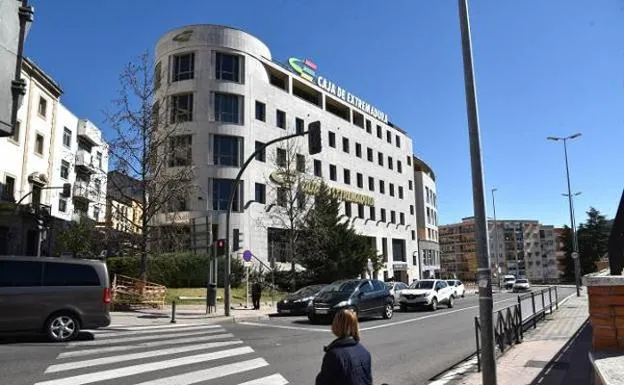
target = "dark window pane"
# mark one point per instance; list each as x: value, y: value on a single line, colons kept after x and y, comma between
x: 261, y: 156
x: 318, y: 168
x: 347, y: 176
x: 301, y: 164
x: 358, y: 150
x: 345, y: 145
x: 372, y: 213
x: 299, y: 125
x: 260, y: 111
x: 371, y: 183
x: 226, y: 151
x: 20, y: 273
x: 183, y: 66
x: 369, y: 154
x: 332, y: 172
x: 66, y: 274
x: 260, y: 193
x: 181, y: 108
x: 228, y: 67
x: 280, y: 119
x: 221, y: 189
x: 332, y: 139
x: 379, y: 131
x: 360, y: 180
x: 180, y: 150
x: 226, y: 108
x: 281, y: 157
x: 347, y: 208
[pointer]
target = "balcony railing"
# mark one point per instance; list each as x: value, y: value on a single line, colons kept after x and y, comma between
x: 84, y: 161
x: 89, y: 132
x: 83, y: 191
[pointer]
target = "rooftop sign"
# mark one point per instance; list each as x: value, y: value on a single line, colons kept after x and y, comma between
x: 307, y: 70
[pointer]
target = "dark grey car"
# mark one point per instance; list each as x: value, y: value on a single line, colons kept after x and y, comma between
x: 57, y: 296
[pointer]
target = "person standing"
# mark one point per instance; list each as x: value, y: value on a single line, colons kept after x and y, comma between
x: 346, y: 361
x: 256, y: 294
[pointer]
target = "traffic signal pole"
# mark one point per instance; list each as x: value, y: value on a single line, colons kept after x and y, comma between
x: 313, y: 129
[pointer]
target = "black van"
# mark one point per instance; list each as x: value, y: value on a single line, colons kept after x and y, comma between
x: 57, y: 296
x: 365, y: 296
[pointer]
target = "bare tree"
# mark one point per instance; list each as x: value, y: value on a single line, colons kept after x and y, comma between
x: 151, y: 147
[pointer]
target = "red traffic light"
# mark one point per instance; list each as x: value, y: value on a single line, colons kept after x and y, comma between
x: 221, y: 243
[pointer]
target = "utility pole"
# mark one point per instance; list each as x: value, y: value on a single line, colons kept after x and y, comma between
x: 498, y: 280
x: 484, y: 272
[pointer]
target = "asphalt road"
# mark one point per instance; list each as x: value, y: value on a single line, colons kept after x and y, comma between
x: 411, y: 348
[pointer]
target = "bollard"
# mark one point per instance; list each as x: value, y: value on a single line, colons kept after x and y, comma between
x: 556, y: 299
x: 550, y: 299
x: 543, y: 304
x: 533, y: 307
x: 173, y: 309
x: 477, y: 331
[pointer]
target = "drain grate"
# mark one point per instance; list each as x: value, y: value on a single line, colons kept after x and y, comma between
x: 542, y: 364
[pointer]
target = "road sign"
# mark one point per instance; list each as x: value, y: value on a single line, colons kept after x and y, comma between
x: 575, y: 255
x: 247, y: 256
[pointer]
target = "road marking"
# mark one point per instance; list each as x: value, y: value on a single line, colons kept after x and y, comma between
x: 114, y: 328
x: 136, y: 356
x: 285, y: 327
x: 210, y: 374
x: 154, y: 331
x: 111, y: 341
x: 81, y: 353
x: 275, y: 379
x: 142, y: 368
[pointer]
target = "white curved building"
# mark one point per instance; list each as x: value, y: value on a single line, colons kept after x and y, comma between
x: 227, y: 95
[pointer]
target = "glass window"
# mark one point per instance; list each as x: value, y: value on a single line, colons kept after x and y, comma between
x: 64, y: 169
x: 358, y: 150
x: 402, y: 218
x: 69, y: 274
x: 226, y: 150
x: 260, y: 193
x: 400, y: 192
x: 98, y: 157
x: 413, y: 239
x: 397, y: 141
x: 67, y: 134
x: 379, y: 131
x: 157, y: 75
x: 332, y: 172
x: 347, y: 208
x: 280, y: 157
x: 180, y: 150
x: 345, y: 145
x: 380, y: 159
x: 261, y: 156
x: 260, y: 111
x: 409, y: 160
x: 412, y: 209
x: 360, y: 180
x: 280, y: 119
x: 318, y: 168
x: 43, y: 107
x: 368, y: 126
x: 282, y: 196
x: 388, y: 136
x: 221, y: 189
x: 20, y: 273
x: 399, y: 166
x: 227, y: 108
x: 9, y: 189
x: 371, y: 183
x: 390, y: 163
x: 360, y: 210
x: 372, y: 213
x: 301, y: 163
x: 391, y: 189
x: 39, y: 144
x: 369, y: 154
x: 382, y: 186
x: 96, y: 213
x: 227, y: 67
x: 347, y: 176
x: 392, y: 216
x: 411, y: 185
x: 332, y: 139
x: 383, y: 215
x: 62, y: 205
x: 183, y: 67
x: 299, y: 125
x: 181, y: 108
x: 16, y: 131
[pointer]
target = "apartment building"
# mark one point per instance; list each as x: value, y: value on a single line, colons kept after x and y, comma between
x: 426, y: 219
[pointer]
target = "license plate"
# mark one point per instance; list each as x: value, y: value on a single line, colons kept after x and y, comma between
x: 321, y: 311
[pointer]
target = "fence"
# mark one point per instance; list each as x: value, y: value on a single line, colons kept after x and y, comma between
x: 512, y: 321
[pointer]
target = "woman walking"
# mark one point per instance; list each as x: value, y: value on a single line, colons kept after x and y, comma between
x: 346, y: 361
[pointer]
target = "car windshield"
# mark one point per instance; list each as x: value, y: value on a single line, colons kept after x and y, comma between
x: 522, y: 281
x: 451, y: 283
x: 422, y: 285
x: 341, y: 286
x: 509, y: 279
x: 307, y: 291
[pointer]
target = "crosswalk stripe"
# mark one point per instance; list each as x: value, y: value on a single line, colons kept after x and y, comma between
x: 142, y: 368
x: 87, y: 352
x: 111, y: 341
x: 136, y: 356
x: 209, y: 374
x: 274, y: 379
x: 146, y: 327
x: 155, y: 331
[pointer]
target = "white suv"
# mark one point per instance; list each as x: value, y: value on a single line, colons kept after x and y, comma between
x: 427, y: 292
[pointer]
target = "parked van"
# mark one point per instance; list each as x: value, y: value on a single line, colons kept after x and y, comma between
x: 56, y: 296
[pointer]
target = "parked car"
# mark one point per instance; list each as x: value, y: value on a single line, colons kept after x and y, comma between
x: 297, y: 302
x: 459, y: 290
x: 365, y: 296
x: 427, y: 292
x: 56, y: 296
x: 508, y: 281
x: 395, y: 289
x: 521, y: 284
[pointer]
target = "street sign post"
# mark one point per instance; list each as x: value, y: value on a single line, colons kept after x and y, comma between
x: 247, y: 256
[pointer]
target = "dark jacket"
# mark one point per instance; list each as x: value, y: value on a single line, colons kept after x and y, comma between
x: 256, y: 289
x: 346, y: 362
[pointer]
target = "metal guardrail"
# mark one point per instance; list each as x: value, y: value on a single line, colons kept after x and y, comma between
x: 511, y: 323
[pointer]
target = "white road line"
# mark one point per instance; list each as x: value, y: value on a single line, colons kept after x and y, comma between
x: 112, y: 341
x: 87, y: 352
x: 142, y: 368
x: 157, y: 331
x: 135, y: 356
x: 275, y: 379
x: 285, y: 327
x: 210, y: 374
x: 116, y: 328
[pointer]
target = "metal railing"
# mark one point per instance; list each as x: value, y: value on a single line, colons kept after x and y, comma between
x: 511, y: 322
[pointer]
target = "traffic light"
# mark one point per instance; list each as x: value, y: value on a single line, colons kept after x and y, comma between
x: 314, y: 138
x: 236, y: 239
x: 220, y: 247
x: 66, y: 193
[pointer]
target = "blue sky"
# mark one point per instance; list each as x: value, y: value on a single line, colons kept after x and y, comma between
x: 542, y: 68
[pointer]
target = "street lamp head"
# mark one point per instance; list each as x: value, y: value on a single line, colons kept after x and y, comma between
x: 575, y: 135
x: 553, y: 138
x: 578, y: 193
x: 494, y: 189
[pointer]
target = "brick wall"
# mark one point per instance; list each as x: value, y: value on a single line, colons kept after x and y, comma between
x: 606, y: 312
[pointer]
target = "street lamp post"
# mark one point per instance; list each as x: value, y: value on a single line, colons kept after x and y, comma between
x: 575, y: 256
x: 498, y: 281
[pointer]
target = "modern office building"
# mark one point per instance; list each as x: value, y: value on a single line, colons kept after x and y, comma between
x: 49, y: 148
x: 227, y: 96
x: 426, y: 219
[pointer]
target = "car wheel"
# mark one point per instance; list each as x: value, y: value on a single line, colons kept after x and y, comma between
x: 403, y: 307
x: 464, y: 294
x: 388, y: 311
x: 313, y: 319
x: 434, y: 304
x: 62, y: 327
x: 450, y: 302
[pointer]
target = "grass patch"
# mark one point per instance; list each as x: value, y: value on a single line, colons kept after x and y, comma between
x: 238, y: 295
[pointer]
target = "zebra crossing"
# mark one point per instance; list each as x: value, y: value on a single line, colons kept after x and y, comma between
x: 176, y: 354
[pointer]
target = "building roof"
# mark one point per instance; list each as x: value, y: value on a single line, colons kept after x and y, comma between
x: 421, y: 166
x: 32, y: 69
x: 123, y: 188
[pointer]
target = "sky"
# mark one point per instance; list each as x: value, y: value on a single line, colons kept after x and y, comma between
x: 542, y: 68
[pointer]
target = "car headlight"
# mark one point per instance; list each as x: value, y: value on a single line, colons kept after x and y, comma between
x: 307, y: 299
x: 343, y: 303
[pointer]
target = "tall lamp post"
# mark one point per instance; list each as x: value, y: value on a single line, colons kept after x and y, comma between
x: 498, y: 281
x: 575, y: 255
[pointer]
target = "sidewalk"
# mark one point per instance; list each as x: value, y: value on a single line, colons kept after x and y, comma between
x: 554, y: 353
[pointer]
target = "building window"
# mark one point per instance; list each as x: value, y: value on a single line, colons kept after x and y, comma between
x: 360, y: 210
x: 280, y: 157
x: 412, y: 209
x: 427, y: 195
x: 345, y: 145
x: 347, y: 176
x: 261, y: 156
x: 221, y: 189
x: 332, y: 172
x: 399, y: 166
x: 183, y: 67
x: 180, y: 150
x: 402, y: 218
x: 9, y: 189
x: 301, y: 200
x: 372, y: 213
x: 226, y: 150
x: 98, y: 159
x: 382, y: 187
x: 181, y: 108
x: 400, y: 192
x: 371, y: 183
x: 347, y: 208
x: 409, y: 160
x: 397, y: 141
x: 390, y: 163
x: 157, y: 75
x: 299, y: 126
x: 39, y: 144
x: 96, y: 213
x: 358, y: 150
x: 388, y: 136
x: 332, y: 139
x: 282, y: 196
x: 380, y: 158
x: 379, y: 131
x: 227, y: 108
x: 383, y: 215
x: 392, y: 216
x: 358, y: 119
x: 318, y: 168
x: 16, y: 132
x: 228, y: 67
x: 67, y: 137
x: 369, y: 154
x: 280, y: 119
x: 391, y: 189
x: 260, y: 111
x: 260, y: 193
x: 62, y: 205
x: 43, y: 107
x: 368, y: 126
x: 360, y: 180
x: 384, y: 246
x: 413, y: 239
x: 64, y: 169
x: 301, y: 163
x: 411, y: 185
x: 428, y: 216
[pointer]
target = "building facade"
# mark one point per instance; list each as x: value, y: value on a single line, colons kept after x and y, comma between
x: 228, y: 96
x: 50, y: 147
x: 426, y: 219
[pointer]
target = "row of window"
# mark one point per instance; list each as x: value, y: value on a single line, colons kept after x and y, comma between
x: 430, y: 257
x: 432, y: 217
x: 431, y: 197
